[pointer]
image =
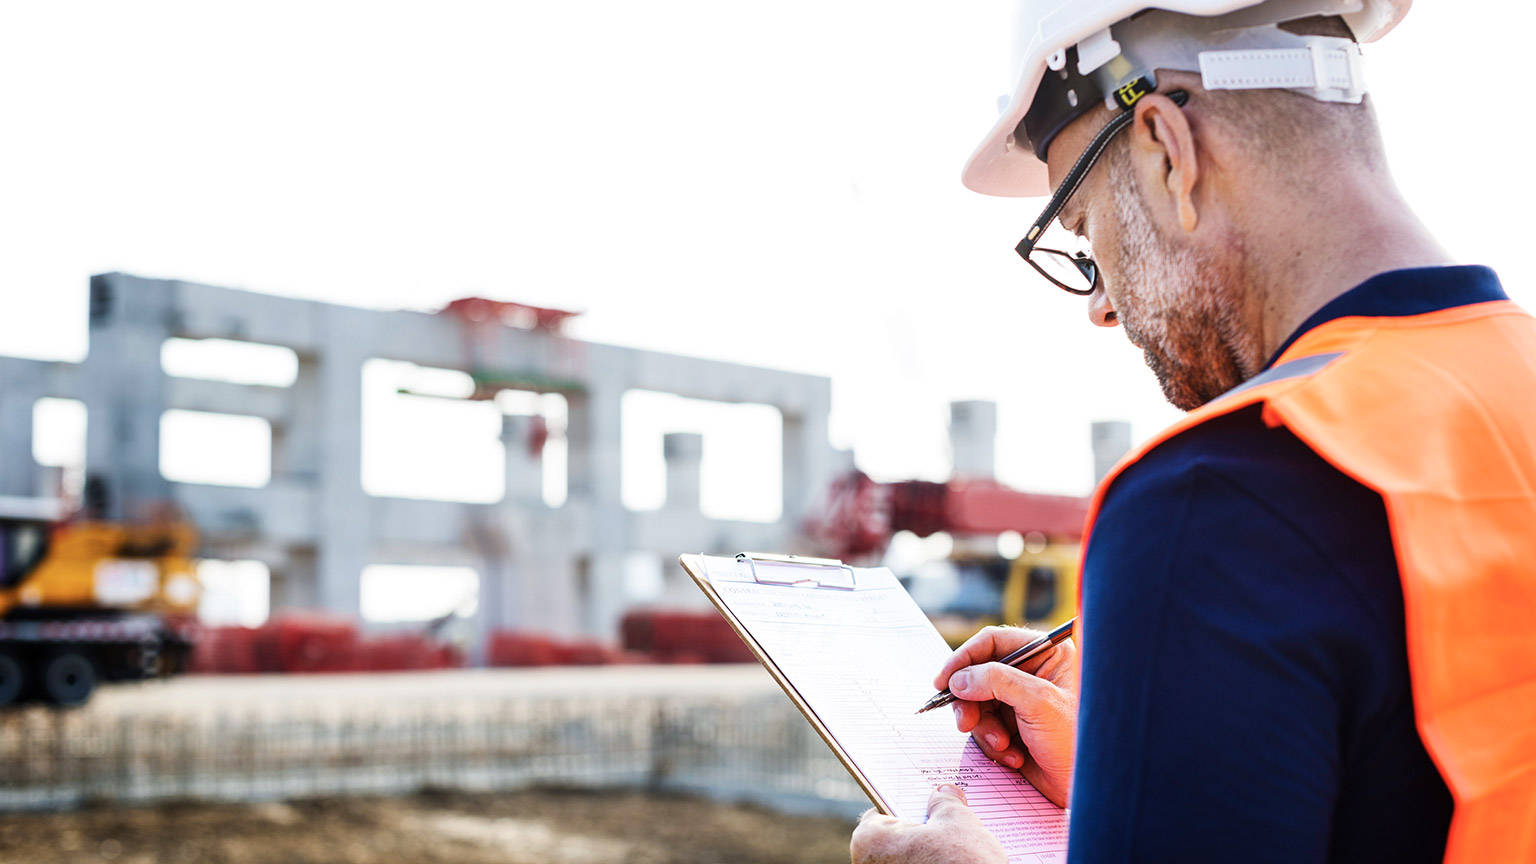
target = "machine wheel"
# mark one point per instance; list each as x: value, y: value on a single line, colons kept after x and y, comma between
x: 12, y: 678
x: 69, y: 678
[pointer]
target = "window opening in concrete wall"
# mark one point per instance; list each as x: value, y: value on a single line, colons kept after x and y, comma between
x: 644, y: 579
x: 410, y: 592
x: 741, y: 473
x: 217, y: 449
x: 58, y: 441
x: 555, y: 409
x: 422, y: 439
x: 235, y: 593
x: 230, y: 360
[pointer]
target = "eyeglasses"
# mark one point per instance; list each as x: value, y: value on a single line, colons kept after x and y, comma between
x: 1075, y: 272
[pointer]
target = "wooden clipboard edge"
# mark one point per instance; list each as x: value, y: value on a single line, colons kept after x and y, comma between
x: 701, y: 579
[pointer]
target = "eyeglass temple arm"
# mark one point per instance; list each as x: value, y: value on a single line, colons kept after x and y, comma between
x: 1079, y: 171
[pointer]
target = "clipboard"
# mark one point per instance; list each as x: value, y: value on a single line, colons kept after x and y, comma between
x: 854, y: 653
x: 803, y: 572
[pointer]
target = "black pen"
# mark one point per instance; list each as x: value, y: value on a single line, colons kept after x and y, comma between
x: 1033, y: 649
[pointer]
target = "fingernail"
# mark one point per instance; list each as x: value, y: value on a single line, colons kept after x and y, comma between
x: 953, y: 790
x: 1013, y: 760
x: 995, y: 740
x: 958, y: 715
x: 960, y: 680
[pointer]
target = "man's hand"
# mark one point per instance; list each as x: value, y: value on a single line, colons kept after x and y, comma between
x: 1025, y: 718
x: 953, y: 834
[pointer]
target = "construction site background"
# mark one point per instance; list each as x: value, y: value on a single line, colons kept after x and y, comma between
x: 517, y: 651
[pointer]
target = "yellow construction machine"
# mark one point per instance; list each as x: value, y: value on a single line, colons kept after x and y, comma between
x: 1036, y: 589
x: 83, y: 602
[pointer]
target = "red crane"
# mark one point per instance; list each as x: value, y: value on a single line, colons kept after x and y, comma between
x: 859, y: 515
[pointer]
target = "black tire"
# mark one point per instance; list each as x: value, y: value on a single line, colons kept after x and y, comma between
x: 69, y: 678
x: 13, y: 679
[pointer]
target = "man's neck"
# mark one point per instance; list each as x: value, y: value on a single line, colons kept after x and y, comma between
x: 1354, y: 228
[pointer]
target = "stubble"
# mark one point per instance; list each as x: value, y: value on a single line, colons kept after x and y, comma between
x: 1180, y: 306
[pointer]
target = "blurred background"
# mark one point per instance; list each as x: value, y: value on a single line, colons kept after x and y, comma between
x: 366, y: 366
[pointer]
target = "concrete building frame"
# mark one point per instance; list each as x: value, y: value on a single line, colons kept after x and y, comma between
x: 557, y: 570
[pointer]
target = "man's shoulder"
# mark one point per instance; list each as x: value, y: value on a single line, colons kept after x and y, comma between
x: 1236, y: 508
x: 1236, y: 452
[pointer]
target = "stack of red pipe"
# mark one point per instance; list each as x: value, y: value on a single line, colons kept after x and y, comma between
x: 683, y: 637
x: 309, y: 642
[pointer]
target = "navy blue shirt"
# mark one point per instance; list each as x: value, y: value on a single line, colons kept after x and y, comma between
x: 1246, y: 696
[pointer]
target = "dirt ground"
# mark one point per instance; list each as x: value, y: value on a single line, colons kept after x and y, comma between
x: 547, y: 826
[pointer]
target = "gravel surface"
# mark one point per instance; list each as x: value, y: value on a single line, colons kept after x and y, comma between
x: 550, y: 826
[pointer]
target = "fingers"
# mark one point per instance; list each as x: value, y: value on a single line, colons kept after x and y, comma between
x: 993, y: 737
x: 948, y: 804
x: 953, y: 832
x: 987, y: 645
x: 1019, y: 690
x: 875, y: 820
x: 992, y: 731
x: 877, y: 838
x: 967, y: 715
x: 1057, y: 666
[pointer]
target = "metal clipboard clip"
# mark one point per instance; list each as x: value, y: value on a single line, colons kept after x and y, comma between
x: 800, y: 572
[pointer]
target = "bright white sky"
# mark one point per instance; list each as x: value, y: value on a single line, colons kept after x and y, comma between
x: 774, y: 184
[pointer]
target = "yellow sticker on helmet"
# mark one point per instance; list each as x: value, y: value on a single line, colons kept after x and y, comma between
x: 1129, y: 94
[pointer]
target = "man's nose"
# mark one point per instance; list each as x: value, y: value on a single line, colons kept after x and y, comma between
x: 1100, y: 311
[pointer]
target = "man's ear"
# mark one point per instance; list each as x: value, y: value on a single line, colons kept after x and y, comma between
x: 1162, y: 133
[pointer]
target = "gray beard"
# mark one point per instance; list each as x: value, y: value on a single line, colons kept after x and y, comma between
x: 1181, y: 308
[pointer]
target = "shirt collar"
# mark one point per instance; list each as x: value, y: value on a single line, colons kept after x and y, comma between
x: 1399, y: 293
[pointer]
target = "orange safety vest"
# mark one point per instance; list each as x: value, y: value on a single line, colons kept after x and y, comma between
x: 1437, y: 413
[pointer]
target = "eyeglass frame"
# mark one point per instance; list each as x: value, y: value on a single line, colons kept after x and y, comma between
x: 1085, y: 162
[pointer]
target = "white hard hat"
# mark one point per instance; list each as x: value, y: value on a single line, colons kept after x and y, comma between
x: 1073, y: 53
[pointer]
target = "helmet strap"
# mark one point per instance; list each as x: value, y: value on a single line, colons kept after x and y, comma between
x: 1328, y: 68
x: 1228, y: 57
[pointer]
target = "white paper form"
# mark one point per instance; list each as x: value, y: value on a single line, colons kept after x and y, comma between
x: 863, y: 661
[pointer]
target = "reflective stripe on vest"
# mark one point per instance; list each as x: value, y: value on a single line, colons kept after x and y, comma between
x: 1437, y: 413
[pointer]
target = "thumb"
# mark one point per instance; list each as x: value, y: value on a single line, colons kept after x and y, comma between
x: 948, y: 804
x: 1017, y: 689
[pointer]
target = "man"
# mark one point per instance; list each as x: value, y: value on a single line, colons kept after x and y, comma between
x: 1306, y: 607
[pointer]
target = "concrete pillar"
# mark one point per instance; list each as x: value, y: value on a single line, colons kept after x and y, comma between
x: 973, y: 438
x: 553, y: 601
x: 684, y: 453
x: 1111, y: 441
x: 594, y: 438
x: 124, y: 389
x: 843, y: 462
x: 524, y: 467
x: 296, y: 437
x: 342, y: 508
x: 809, y: 463
x: 294, y: 581
x: 496, y: 533
x: 531, y: 583
x: 19, y: 472
x: 511, y: 537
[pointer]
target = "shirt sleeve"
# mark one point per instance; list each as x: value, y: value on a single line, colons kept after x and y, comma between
x: 1218, y: 645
